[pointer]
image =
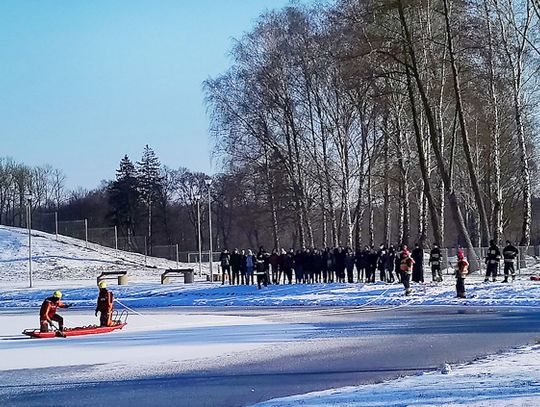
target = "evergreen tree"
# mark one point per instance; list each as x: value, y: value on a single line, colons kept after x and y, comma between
x: 124, y: 197
x: 150, y: 184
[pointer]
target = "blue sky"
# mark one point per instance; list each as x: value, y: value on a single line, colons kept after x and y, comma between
x: 84, y: 82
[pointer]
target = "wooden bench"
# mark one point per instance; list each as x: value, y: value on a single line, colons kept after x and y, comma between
x: 111, y: 275
x: 188, y: 274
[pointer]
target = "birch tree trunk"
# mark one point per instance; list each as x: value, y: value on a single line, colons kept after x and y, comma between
x: 271, y: 199
x: 497, y: 212
x: 463, y: 129
x: 435, y: 138
x: 515, y: 54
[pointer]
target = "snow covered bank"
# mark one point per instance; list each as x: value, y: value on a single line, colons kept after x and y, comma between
x: 68, y: 259
x: 520, y: 293
x: 67, y: 264
x: 509, y: 379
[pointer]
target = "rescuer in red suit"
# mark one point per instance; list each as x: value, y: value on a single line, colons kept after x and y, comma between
x: 104, y: 305
x: 47, y: 313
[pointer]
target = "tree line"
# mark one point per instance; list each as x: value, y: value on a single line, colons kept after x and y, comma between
x: 387, y: 120
x: 361, y: 122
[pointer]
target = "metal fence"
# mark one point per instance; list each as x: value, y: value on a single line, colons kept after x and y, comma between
x: 109, y: 237
x: 528, y: 257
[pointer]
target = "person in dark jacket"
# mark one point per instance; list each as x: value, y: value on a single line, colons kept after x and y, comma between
x: 372, y: 265
x: 299, y: 266
x: 243, y: 267
x: 349, y: 264
x: 262, y: 267
x: 236, y: 263
x: 435, y: 260
x: 274, y: 266
x: 308, y: 266
x: 288, y: 265
x: 317, y: 265
x: 398, y: 264
x: 225, y: 260
x: 492, y: 261
x: 104, y: 305
x: 339, y: 258
x: 360, y: 263
x: 330, y: 265
x: 381, y: 257
x: 324, y: 265
x: 418, y: 268
x: 390, y: 264
x: 510, y: 253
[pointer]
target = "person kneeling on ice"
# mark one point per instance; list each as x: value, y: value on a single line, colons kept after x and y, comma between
x: 461, y: 273
x: 47, y: 313
x: 104, y: 305
x: 405, y: 267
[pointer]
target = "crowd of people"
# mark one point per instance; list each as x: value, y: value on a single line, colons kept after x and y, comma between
x: 344, y: 265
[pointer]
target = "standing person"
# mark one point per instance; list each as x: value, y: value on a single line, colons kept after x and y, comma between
x: 299, y: 267
x: 104, y: 305
x: 324, y: 265
x: 243, y: 267
x: 317, y: 265
x: 274, y: 266
x: 331, y: 265
x: 461, y: 272
x: 236, y: 264
x: 381, y: 258
x: 435, y: 259
x: 349, y: 264
x: 397, y: 264
x: 418, y: 268
x: 282, y: 255
x: 358, y: 263
x: 372, y: 265
x: 406, y: 269
x: 362, y: 261
x: 509, y: 253
x: 339, y: 256
x: 308, y: 266
x: 225, y: 259
x: 492, y: 261
x: 47, y: 312
x: 262, y: 266
x: 390, y: 263
x: 251, y: 262
x: 287, y: 265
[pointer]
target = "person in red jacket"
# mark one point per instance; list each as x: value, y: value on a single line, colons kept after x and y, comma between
x: 405, y: 268
x: 104, y: 304
x: 461, y: 273
x: 47, y: 313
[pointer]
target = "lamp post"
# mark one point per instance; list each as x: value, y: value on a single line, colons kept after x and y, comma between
x: 198, y: 200
x: 29, y: 226
x: 208, y: 182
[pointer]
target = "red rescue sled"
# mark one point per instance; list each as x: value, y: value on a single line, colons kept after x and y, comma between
x: 120, y: 321
x: 78, y: 331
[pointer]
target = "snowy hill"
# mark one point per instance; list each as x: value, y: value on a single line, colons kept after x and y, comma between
x: 68, y: 259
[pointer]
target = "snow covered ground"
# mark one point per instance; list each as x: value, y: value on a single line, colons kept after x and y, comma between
x: 137, y: 295
x: 509, y: 379
x: 68, y: 259
x: 67, y: 264
x: 159, y: 341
